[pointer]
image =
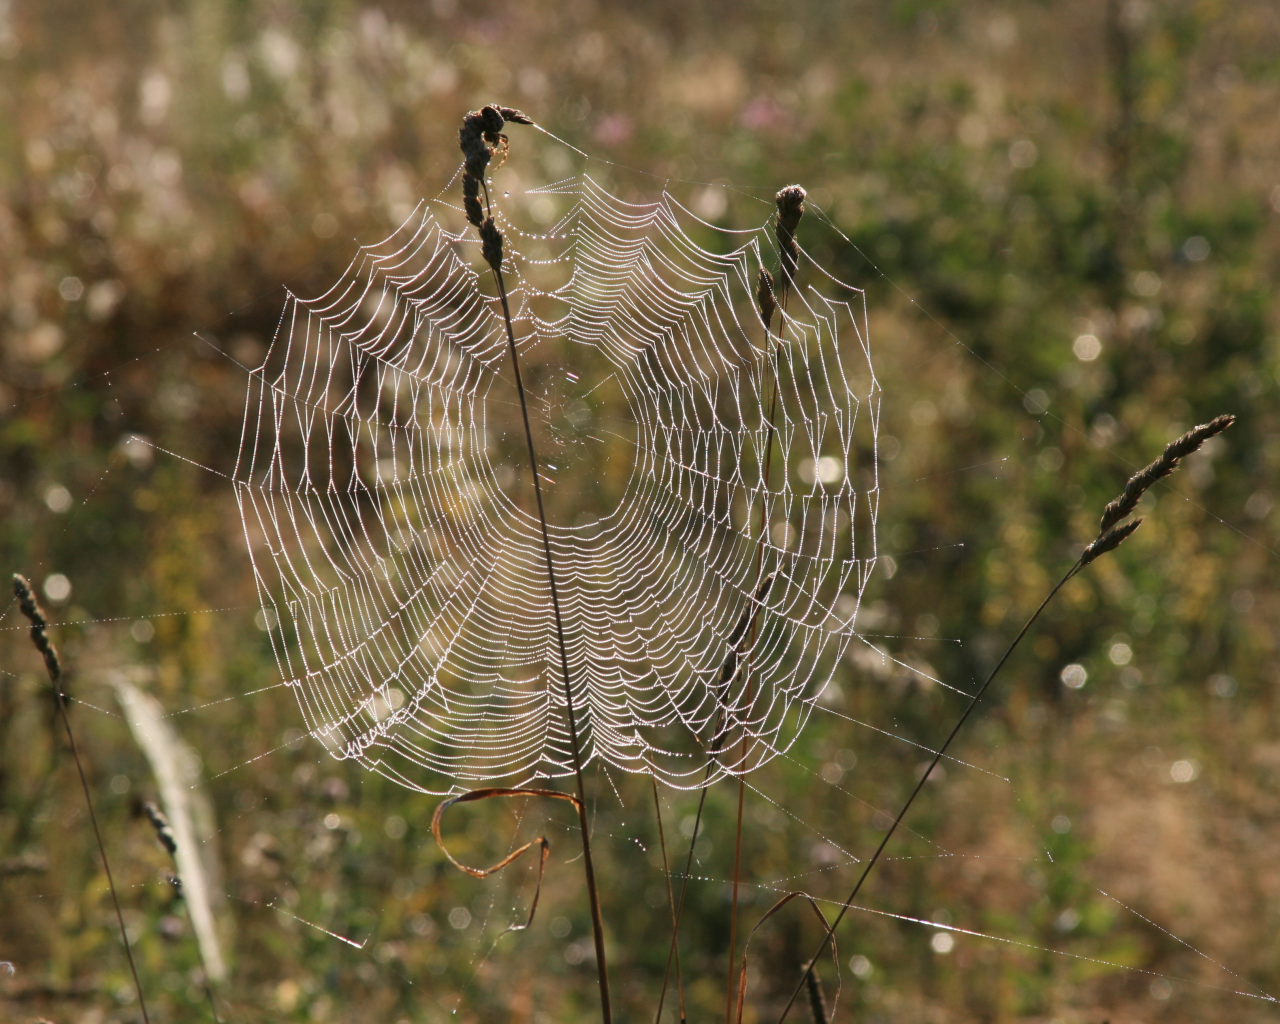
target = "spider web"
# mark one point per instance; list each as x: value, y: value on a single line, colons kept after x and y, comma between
x: 385, y: 498
x: 387, y: 504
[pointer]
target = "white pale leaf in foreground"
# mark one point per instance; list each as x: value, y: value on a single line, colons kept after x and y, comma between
x: 173, y: 765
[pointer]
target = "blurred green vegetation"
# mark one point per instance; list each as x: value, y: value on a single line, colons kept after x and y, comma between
x: 1065, y: 216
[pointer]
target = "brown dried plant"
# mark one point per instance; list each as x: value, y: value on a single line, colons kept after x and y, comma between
x: 1173, y: 454
x: 790, y: 209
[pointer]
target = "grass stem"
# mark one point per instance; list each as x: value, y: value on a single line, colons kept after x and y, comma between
x: 767, y: 304
x: 27, y: 602
x: 597, y: 922
x: 480, y: 138
x: 671, y: 898
x: 673, y: 951
x: 728, y: 673
x: 955, y: 731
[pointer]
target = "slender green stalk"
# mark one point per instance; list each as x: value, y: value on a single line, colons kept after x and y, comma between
x: 1112, y: 532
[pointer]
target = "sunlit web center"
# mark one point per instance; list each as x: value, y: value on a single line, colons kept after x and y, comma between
x: 584, y: 433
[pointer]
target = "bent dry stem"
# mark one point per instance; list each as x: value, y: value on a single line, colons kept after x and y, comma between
x: 479, y: 138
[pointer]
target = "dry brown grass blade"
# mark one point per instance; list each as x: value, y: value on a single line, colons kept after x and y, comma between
x: 493, y: 793
x: 829, y: 940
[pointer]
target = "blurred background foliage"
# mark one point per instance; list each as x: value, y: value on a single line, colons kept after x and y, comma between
x: 1067, y: 220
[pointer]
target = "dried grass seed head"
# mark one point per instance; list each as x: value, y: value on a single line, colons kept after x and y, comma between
x: 514, y: 116
x: 479, y: 138
x: 817, y: 1002
x: 471, y: 199
x: 1174, y: 452
x: 790, y: 206
x: 476, y: 151
x: 491, y: 243
x: 1108, y: 541
x: 764, y: 297
x: 790, y: 209
x: 159, y: 822
x: 481, y: 135
x: 39, y: 624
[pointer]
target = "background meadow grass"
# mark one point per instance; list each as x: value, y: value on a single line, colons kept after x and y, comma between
x: 1067, y: 220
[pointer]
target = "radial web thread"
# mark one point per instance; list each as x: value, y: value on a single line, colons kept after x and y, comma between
x: 387, y: 503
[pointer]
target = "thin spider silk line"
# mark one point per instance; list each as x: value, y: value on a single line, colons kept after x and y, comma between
x: 1000, y: 375
x: 783, y: 886
x: 403, y: 578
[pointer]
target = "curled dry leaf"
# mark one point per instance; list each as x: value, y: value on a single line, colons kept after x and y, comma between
x: 493, y: 793
x: 828, y: 935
